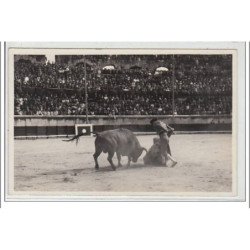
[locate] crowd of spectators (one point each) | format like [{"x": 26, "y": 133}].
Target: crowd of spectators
[{"x": 200, "y": 85}]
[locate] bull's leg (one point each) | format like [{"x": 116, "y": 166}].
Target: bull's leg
[
  {"x": 110, "y": 156},
  {"x": 129, "y": 160},
  {"x": 119, "y": 159},
  {"x": 96, "y": 155}
]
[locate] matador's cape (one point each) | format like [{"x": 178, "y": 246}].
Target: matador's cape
[{"x": 153, "y": 156}]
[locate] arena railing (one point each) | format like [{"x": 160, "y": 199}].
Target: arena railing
[{"x": 34, "y": 126}]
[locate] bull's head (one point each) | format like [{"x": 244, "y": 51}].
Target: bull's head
[{"x": 137, "y": 153}]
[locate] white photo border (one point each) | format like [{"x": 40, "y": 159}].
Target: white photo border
[{"x": 241, "y": 109}]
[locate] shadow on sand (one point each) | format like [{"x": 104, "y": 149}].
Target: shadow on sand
[
  {"x": 129, "y": 168},
  {"x": 104, "y": 169}
]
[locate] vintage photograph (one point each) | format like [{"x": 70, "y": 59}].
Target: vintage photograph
[{"x": 146, "y": 123}]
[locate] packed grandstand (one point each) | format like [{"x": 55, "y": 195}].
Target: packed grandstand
[{"x": 124, "y": 85}]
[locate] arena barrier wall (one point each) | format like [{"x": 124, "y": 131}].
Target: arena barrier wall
[{"x": 56, "y": 126}]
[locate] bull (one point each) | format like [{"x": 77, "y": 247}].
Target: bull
[{"x": 120, "y": 141}]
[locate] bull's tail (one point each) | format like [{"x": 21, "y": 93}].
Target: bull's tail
[{"x": 77, "y": 137}]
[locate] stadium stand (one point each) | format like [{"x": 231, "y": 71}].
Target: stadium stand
[{"x": 131, "y": 85}]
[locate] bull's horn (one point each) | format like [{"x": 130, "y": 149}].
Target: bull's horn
[{"x": 144, "y": 149}]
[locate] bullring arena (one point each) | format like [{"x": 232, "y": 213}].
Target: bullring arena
[
  {"x": 204, "y": 165},
  {"x": 51, "y": 164},
  {"x": 58, "y": 99}
]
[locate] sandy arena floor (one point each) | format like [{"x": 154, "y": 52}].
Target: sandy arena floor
[{"x": 204, "y": 165}]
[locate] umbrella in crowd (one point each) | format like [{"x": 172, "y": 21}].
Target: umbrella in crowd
[
  {"x": 109, "y": 67},
  {"x": 160, "y": 70}
]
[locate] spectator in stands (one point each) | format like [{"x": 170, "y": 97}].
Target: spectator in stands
[{"x": 202, "y": 85}]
